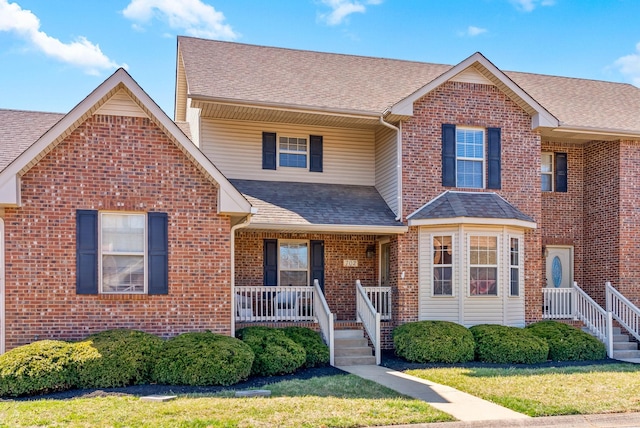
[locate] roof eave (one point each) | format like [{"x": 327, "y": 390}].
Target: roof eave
[
  {"x": 524, "y": 224},
  {"x": 331, "y": 228}
]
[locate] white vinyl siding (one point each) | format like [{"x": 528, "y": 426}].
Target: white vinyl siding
[
  {"x": 236, "y": 149},
  {"x": 386, "y": 167},
  {"x": 193, "y": 118},
  {"x": 462, "y": 307},
  {"x": 121, "y": 104}
]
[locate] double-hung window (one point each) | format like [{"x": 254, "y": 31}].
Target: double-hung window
[
  {"x": 293, "y": 152},
  {"x": 514, "y": 267},
  {"x": 443, "y": 265},
  {"x": 123, "y": 256},
  {"x": 483, "y": 265},
  {"x": 294, "y": 263},
  {"x": 470, "y": 158},
  {"x": 546, "y": 168},
  {"x": 553, "y": 172}
]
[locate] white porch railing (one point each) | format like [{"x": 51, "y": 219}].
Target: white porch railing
[
  {"x": 623, "y": 311},
  {"x": 381, "y": 299},
  {"x": 369, "y": 317},
  {"x": 557, "y": 303},
  {"x": 273, "y": 304},
  {"x": 325, "y": 318}
]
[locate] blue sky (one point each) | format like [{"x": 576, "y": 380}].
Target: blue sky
[{"x": 54, "y": 53}]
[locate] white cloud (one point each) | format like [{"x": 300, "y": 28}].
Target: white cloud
[
  {"x": 529, "y": 5},
  {"x": 475, "y": 31},
  {"x": 194, "y": 17},
  {"x": 341, "y": 9},
  {"x": 629, "y": 65},
  {"x": 80, "y": 53}
]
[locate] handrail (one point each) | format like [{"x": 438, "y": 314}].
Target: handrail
[
  {"x": 369, "y": 317},
  {"x": 596, "y": 319},
  {"x": 325, "y": 318},
  {"x": 381, "y": 299},
  {"x": 623, "y": 311}
]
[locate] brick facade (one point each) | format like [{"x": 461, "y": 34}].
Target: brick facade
[
  {"x": 474, "y": 105},
  {"x": 117, "y": 164}
]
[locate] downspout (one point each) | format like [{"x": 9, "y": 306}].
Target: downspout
[
  {"x": 244, "y": 223},
  {"x": 398, "y": 162}
]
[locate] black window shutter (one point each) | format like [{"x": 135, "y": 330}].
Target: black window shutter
[
  {"x": 561, "y": 172},
  {"x": 86, "y": 252},
  {"x": 317, "y": 262},
  {"x": 158, "y": 253},
  {"x": 493, "y": 158},
  {"x": 268, "y": 150},
  {"x": 270, "y": 262},
  {"x": 315, "y": 153},
  {"x": 448, "y": 155}
]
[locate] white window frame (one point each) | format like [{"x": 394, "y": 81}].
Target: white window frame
[
  {"x": 519, "y": 265},
  {"x": 451, "y": 265},
  {"x": 102, "y": 252},
  {"x": 550, "y": 173},
  {"x": 293, "y": 152},
  {"x": 294, "y": 241},
  {"x": 482, "y": 160},
  {"x": 498, "y": 265}
]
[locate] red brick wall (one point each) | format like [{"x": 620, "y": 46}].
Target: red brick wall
[
  {"x": 114, "y": 163},
  {"x": 602, "y": 204},
  {"x": 467, "y": 104},
  {"x": 562, "y": 220},
  {"x": 339, "y": 287}
]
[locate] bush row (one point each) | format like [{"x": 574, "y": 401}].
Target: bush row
[
  {"x": 447, "y": 342},
  {"x": 116, "y": 358}
]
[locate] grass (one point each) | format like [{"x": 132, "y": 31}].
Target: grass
[
  {"x": 335, "y": 401},
  {"x": 611, "y": 388}
]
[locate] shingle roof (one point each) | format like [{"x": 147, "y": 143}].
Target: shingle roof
[
  {"x": 305, "y": 79},
  {"x": 469, "y": 204},
  {"x": 19, "y": 129},
  {"x": 315, "y": 204}
]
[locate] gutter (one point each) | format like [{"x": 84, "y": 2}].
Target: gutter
[
  {"x": 245, "y": 223},
  {"x": 398, "y": 162}
]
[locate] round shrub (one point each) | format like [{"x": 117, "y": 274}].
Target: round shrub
[
  {"x": 275, "y": 353},
  {"x": 567, "y": 343},
  {"x": 433, "y": 342},
  {"x": 508, "y": 345},
  {"x": 203, "y": 359},
  {"x": 43, "y": 366},
  {"x": 317, "y": 351},
  {"x": 126, "y": 357}
]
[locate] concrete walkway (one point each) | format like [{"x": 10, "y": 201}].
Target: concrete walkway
[{"x": 460, "y": 405}]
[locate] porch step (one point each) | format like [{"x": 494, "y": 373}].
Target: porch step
[
  {"x": 623, "y": 348},
  {"x": 352, "y": 348}
]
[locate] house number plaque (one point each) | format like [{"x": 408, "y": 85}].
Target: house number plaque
[{"x": 350, "y": 263}]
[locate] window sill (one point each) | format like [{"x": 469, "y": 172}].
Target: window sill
[{"x": 123, "y": 296}]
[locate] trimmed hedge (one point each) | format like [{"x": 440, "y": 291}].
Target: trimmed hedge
[
  {"x": 126, "y": 357},
  {"x": 434, "y": 342},
  {"x": 567, "y": 343},
  {"x": 508, "y": 345},
  {"x": 317, "y": 351},
  {"x": 43, "y": 366},
  {"x": 275, "y": 353},
  {"x": 202, "y": 359}
]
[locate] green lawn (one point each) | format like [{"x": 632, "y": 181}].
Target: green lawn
[
  {"x": 336, "y": 401},
  {"x": 610, "y": 388}
]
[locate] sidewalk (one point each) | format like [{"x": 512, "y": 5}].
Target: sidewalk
[{"x": 460, "y": 405}]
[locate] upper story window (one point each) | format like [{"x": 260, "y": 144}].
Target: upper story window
[
  {"x": 293, "y": 152},
  {"x": 553, "y": 172},
  {"x": 123, "y": 253},
  {"x": 470, "y": 158}
]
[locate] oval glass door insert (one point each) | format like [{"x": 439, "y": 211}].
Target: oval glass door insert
[{"x": 556, "y": 271}]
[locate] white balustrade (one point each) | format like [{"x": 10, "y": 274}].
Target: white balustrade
[
  {"x": 274, "y": 304},
  {"x": 381, "y": 299},
  {"x": 623, "y": 311},
  {"x": 369, "y": 317},
  {"x": 558, "y": 303}
]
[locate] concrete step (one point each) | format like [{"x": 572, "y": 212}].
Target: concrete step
[
  {"x": 619, "y": 355},
  {"x": 350, "y": 343},
  {"x": 625, "y": 346},
  {"x": 363, "y": 351},
  {"x": 620, "y": 337},
  {"x": 355, "y": 361},
  {"x": 348, "y": 334}
]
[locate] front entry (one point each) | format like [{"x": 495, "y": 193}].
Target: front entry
[{"x": 559, "y": 262}]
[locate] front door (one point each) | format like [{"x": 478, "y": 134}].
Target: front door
[{"x": 559, "y": 261}]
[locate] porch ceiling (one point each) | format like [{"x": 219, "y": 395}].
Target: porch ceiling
[{"x": 318, "y": 207}]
